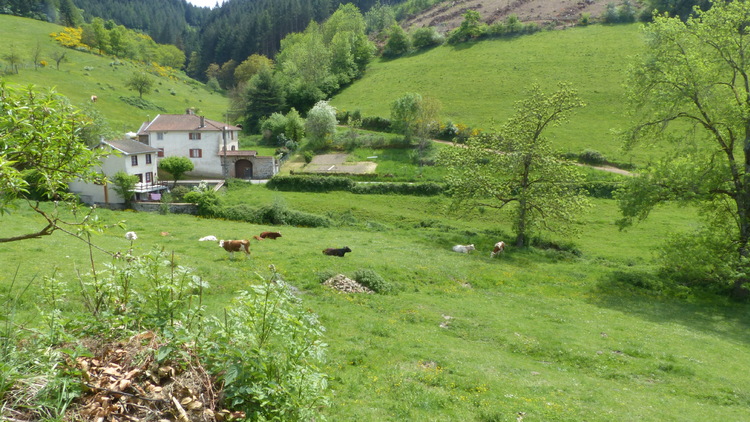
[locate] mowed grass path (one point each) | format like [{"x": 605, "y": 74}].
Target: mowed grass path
[
  {"x": 106, "y": 82},
  {"x": 542, "y": 333},
  {"x": 478, "y": 83}
]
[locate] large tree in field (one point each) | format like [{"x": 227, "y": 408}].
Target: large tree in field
[
  {"x": 691, "y": 92},
  {"x": 41, "y": 151},
  {"x": 140, "y": 82},
  {"x": 516, "y": 169}
]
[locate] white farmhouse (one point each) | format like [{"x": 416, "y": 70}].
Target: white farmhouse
[
  {"x": 131, "y": 157},
  {"x": 212, "y": 146}
]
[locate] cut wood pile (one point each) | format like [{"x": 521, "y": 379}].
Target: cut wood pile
[{"x": 124, "y": 382}]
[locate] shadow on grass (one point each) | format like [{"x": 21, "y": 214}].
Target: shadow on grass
[{"x": 658, "y": 302}]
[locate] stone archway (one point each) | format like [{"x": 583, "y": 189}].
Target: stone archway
[{"x": 243, "y": 169}]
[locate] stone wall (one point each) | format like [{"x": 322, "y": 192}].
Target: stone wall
[
  {"x": 264, "y": 167},
  {"x": 173, "y": 208}
]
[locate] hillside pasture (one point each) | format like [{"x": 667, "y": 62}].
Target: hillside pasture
[
  {"x": 84, "y": 74},
  {"x": 478, "y": 83},
  {"x": 543, "y": 333}
]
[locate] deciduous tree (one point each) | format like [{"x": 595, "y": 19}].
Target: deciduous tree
[
  {"x": 516, "y": 168},
  {"x": 691, "y": 94},
  {"x": 140, "y": 82},
  {"x": 176, "y": 166},
  {"x": 320, "y": 124}
]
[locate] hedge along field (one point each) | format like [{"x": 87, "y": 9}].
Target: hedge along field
[
  {"x": 478, "y": 83},
  {"x": 465, "y": 337},
  {"x": 106, "y": 82}
]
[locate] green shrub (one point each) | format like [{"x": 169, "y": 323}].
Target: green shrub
[
  {"x": 373, "y": 281},
  {"x": 593, "y": 157},
  {"x": 378, "y": 124},
  {"x": 704, "y": 258},
  {"x": 426, "y": 37},
  {"x": 308, "y": 156},
  {"x": 178, "y": 193},
  {"x": 272, "y": 127},
  {"x": 310, "y": 183},
  {"x": 418, "y": 189},
  {"x": 208, "y": 202},
  {"x": 276, "y": 214}
]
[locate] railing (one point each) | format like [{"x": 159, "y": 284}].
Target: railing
[{"x": 149, "y": 186}]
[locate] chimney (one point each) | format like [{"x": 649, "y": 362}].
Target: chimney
[{"x": 203, "y": 121}]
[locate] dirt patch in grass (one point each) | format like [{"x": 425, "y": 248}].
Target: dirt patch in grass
[{"x": 337, "y": 164}]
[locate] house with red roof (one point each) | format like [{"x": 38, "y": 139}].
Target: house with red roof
[{"x": 212, "y": 146}]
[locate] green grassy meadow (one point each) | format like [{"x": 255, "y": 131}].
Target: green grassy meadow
[
  {"x": 478, "y": 83},
  {"x": 546, "y": 333},
  {"x": 106, "y": 82}
]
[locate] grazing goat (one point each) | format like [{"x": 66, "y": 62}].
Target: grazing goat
[
  {"x": 233, "y": 246},
  {"x": 498, "y": 249},
  {"x": 208, "y": 239},
  {"x": 94, "y": 98},
  {"x": 337, "y": 252},
  {"x": 463, "y": 248}
]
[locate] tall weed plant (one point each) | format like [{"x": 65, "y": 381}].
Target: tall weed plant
[{"x": 268, "y": 350}]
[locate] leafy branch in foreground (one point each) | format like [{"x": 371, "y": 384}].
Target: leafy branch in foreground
[{"x": 42, "y": 149}]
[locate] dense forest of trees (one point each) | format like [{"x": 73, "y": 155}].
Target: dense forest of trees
[{"x": 234, "y": 31}]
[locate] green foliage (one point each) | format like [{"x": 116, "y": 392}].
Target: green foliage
[
  {"x": 273, "y": 126},
  {"x": 688, "y": 92},
  {"x": 295, "y": 126},
  {"x": 373, "y": 281},
  {"x": 124, "y": 185},
  {"x": 593, "y": 157},
  {"x": 179, "y": 192},
  {"x": 320, "y": 125},
  {"x": 140, "y": 82},
  {"x": 705, "y": 258},
  {"x": 398, "y": 42},
  {"x": 41, "y": 150},
  {"x": 176, "y": 166},
  {"x": 625, "y": 13},
  {"x": 265, "y": 96},
  {"x": 419, "y": 189},
  {"x": 310, "y": 183},
  {"x": 680, "y": 8},
  {"x": 277, "y": 213},
  {"x": 426, "y": 37},
  {"x": 207, "y": 201},
  {"x": 268, "y": 349},
  {"x": 379, "y": 17},
  {"x": 251, "y": 67},
  {"x": 470, "y": 28},
  {"x": 516, "y": 166}
]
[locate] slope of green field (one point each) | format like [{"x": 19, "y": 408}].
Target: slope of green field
[
  {"x": 467, "y": 338},
  {"x": 84, "y": 74},
  {"x": 478, "y": 83}
]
